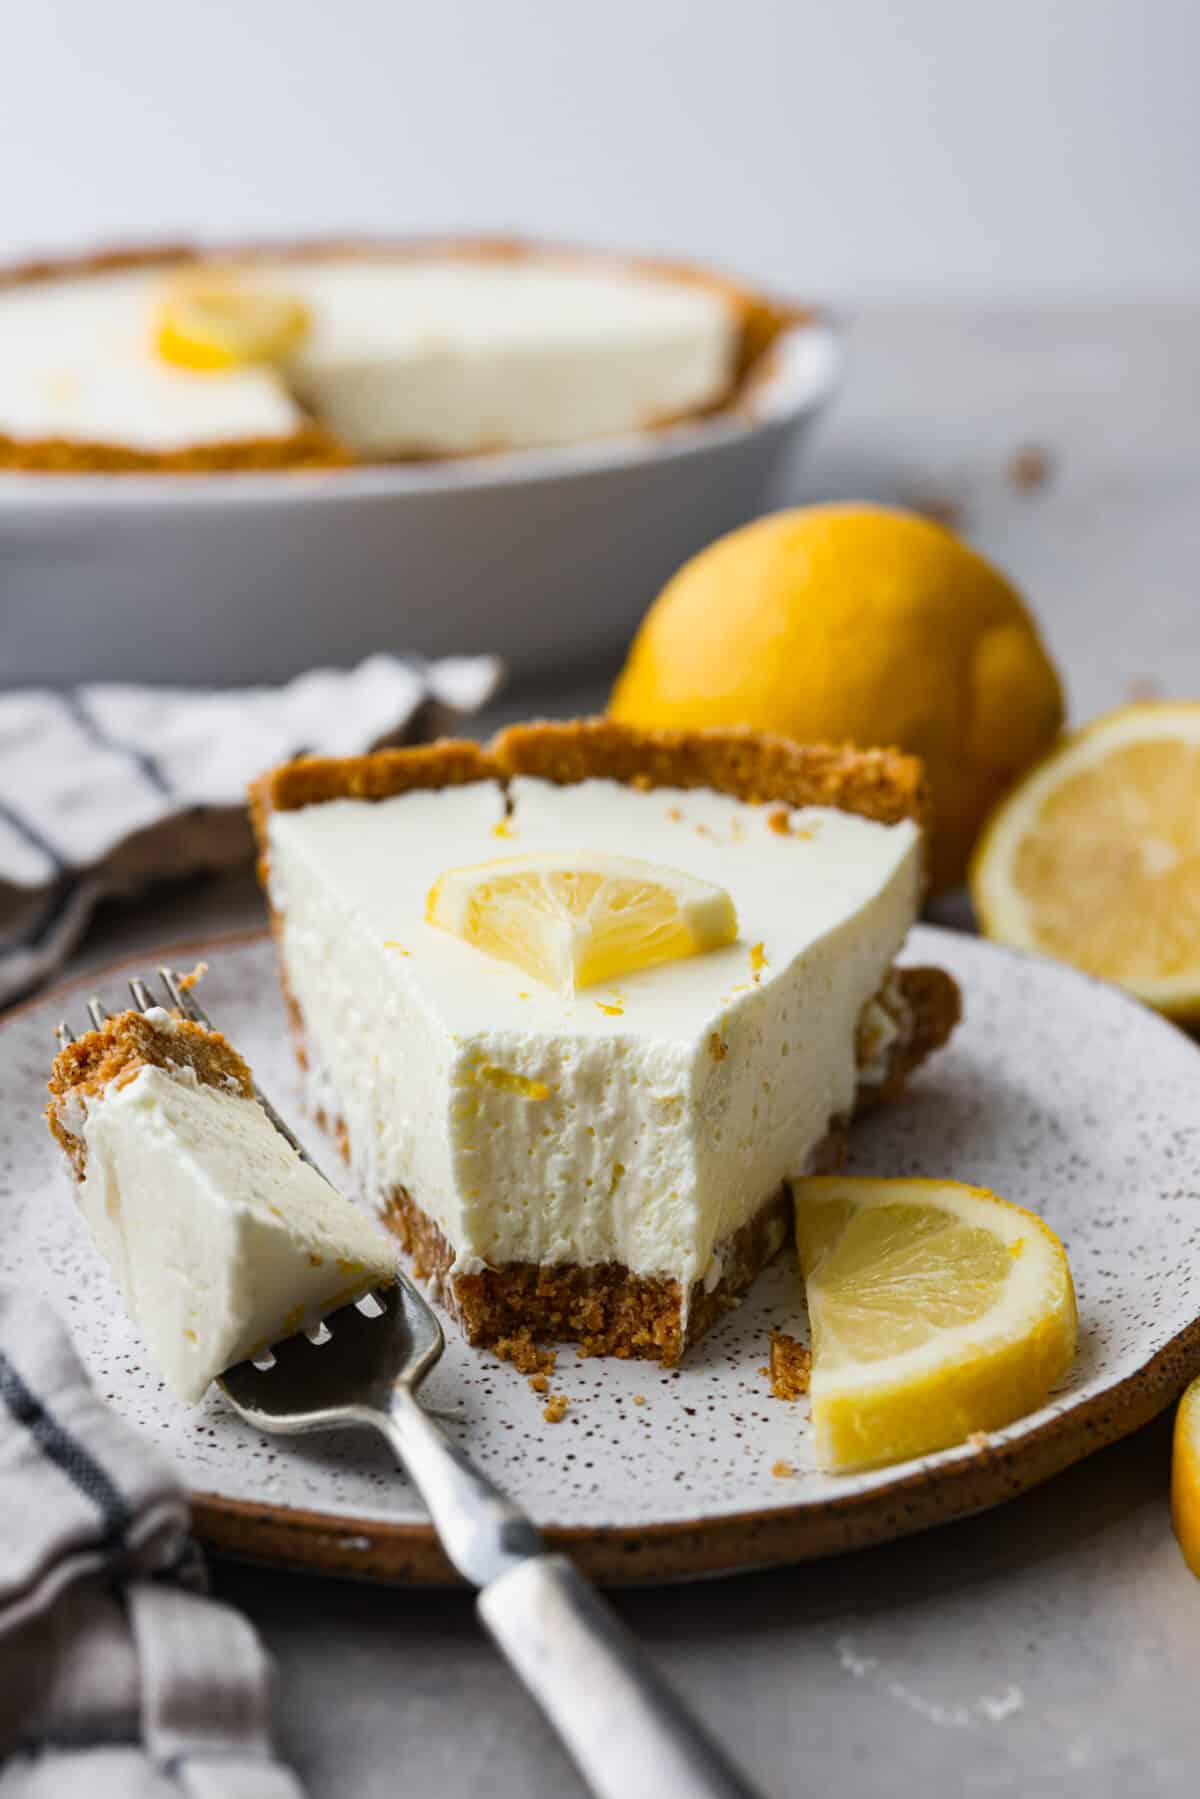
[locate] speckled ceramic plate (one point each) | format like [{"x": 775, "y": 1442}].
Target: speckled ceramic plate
[{"x": 1057, "y": 1092}]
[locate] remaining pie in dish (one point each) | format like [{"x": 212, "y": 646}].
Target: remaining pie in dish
[
  {"x": 334, "y": 353},
  {"x": 598, "y": 1161},
  {"x": 221, "y": 1239}
]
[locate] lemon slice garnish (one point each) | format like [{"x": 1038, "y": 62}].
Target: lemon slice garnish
[
  {"x": 212, "y": 320},
  {"x": 937, "y": 1310},
  {"x": 572, "y": 920},
  {"x": 1185, "y": 1477},
  {"x": 1095, "y": 858}
]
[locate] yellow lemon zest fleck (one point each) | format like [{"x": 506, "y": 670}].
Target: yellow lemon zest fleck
[{"x": 506, "y": 1080}]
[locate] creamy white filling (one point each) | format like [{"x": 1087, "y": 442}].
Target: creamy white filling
[
  {"x": 404, "y": 355},
  {"x": 641, "y": 1124},
  {"x": 450, "y": 356},
  {"x": 77, "y": 362},
  {"x": 220, "y": 1238}
]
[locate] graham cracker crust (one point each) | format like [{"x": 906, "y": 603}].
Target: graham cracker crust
[
  {"x": 310, "y": 447},
  {"x": 760, "y": 319},
  {"x": 885, "y": 785},
  {"x": 119, "y": 1050},
  {"x": 605, "y": 1309}
]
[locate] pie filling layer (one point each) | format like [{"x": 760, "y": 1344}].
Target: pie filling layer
[
  {"x": 517, "y": 1137},
  {"x": 403, "y": 356}
]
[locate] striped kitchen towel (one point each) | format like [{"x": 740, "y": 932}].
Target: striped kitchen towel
[
  {"x": 106, "y": 789},
  {"x": 118, "y": 1675}
]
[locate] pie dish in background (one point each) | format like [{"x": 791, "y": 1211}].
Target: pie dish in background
[
  {"x": 246, "y": 539},
  {"x": 322, "y": 354}
]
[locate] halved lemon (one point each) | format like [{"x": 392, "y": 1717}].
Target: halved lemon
[
  {"x": 1095, "y": 856},
  {"x": 572, "y": 920},
  {"x": 1185, "y": 1477},
  {"x": 937, "y": 1310},
  {"x": 212, "y": 320}
]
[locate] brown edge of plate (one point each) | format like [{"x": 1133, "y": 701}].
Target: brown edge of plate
[{"x": 410, "y": 1554}]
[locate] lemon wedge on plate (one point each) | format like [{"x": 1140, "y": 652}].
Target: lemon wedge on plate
[
  {"x": 937, "y": 1310},
  {"x": 572, "y": 920},
  {"x": 211, "y": 321},
  {"x": 1185, "y": 1477},
  {"x": 1095, "y": 857}
]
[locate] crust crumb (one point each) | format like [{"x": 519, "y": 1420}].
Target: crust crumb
[
  {"x": 1030, "y": 467},
  {"x": 782, "y": 1470},
  {"x": 978, "y": 1439},
  {"x": 556, "y": 1410},
  {"x": 116, "y": 1054},
  {"x": 639, "y": 1399},
  {"x": 718, "y": 1049},
  {"x": 791, "y": 1367},
  {"x": 540, "y": 1383},
  {"x": 526, "y": 1356},
  {"x": 188, "y": 981}
]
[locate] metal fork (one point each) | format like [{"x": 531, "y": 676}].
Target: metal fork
[{"x": 629, "y": 1735}]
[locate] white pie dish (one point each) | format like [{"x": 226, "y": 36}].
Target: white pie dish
[{"x": 547, "y": 557}]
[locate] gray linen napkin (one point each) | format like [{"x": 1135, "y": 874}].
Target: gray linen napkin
[
  {"x": 118, "y": 1677},
  {"x": 104, "y": 789}
]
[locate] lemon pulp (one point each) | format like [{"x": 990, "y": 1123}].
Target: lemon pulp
[
  {"x": 937, "y": 1310},
  {"x": 1095, "y": 858},
  {"x": 573, "y": 921}
]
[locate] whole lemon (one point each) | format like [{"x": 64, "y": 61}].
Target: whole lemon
[{"x": 859, "y": 624}]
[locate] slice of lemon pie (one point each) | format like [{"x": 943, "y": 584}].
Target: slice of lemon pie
[
  {"x": 578, "y": 1002},
  {"x": 220, "y": 1237}
]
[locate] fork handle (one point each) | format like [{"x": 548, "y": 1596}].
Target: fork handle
[
  {"x": 625, "y": 1729},
  {"x": 615, "y": 1714}
]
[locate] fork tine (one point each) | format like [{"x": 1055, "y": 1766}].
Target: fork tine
[
  {"x": 64, "y": 1033},
  {"x": 183, "y": 999},
  {"x": 96, "y": 1011},
  {"x": 143, "y": 999}
]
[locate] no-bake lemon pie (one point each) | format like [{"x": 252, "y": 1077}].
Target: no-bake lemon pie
[
  {"x": 578, "y": 1002},
  {"x": 325, "y": 354}
]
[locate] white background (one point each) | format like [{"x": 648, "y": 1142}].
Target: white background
[{"x": 865, "y": 148}]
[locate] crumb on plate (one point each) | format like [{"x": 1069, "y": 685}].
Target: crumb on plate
[
  {"x": 791, "y": 1366},
  {"x": 526, "y": 1356}
]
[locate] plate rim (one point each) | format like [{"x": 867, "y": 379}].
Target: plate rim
[{"x": 310, "y": 1541}]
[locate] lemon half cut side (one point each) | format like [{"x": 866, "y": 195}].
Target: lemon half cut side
[{"x": 1095, "y": 857}]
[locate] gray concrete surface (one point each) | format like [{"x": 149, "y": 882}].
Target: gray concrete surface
[{"x": 1049, "y": 1647}]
